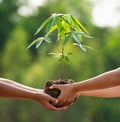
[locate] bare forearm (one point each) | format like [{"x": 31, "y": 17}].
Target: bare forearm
[
  {"x": 107, "y": 93},
  {"x": 18, "y": 84},
  {"x": 11, "y": 89},
  {"x": 105, "y": 80}
]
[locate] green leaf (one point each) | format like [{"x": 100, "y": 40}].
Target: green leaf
[
  {"x": 57, "y": 55},
  {"x": 76, "y": 44},
  {"x": 42, "y": 25},
  {"x": 50, "y": 24},
  {"x": 61, "y": 30},
  {"x": 66, "y": 23},
  {"x": 76, "y": 38},
  {"x": 82, "y": 47},
  {"x": 52, "y": 53},
  {"x": 39, "y": 42},
  {"x": 47, "y": 39},
  {"x": 66, "y": 19},
  {"x": 52, "y": 29},
  {"x": 33, "y": 42},
  {"x": 66, "y": 26},
  {"x": 84, "y": 34},
  {"x": 67, "y": 55},
  {"x": 67, "y": 38},
  {"x": 55, "y": 15},
  {"x": 61, "y": 58},
  {"x": 89, "y": 47},
  {"x": 67, "y": 58},
  {"x": 75, "y": 20}
]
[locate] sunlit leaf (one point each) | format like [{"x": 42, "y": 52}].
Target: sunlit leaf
[
  {"x": 42, "y": 25},
  {"x": 89, "y": 47},
  {"x": 52, "y": 53},
  {"x": 84, "y": 34},
  {"x": 66, "y": 27},
  {"x": 39, "y": 42},
  {"x": 52, "y": 29},
  {"x": 78, "y": 22},
  {"x": 74, "y": 25},
  {"x": 77, "y": 38},
  {"x": 47, "y": 39},
  {"x": 33, "y": 42},
  {"x": 76, "y": 44},
  {"x": 67, "y": 17},
  {"x": 55, "y": 15},
  {"x": 67, "y": 21},
  {"x": 57, "y": 55},
  {"x": 59, "y": 26},
  {"x": 82, "y": 47},
  {"x": 50, "y": 24}
]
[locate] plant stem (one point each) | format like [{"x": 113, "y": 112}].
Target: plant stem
[
  {"x": 61, "y": 73},
  {"x": 62, "y": 63}
]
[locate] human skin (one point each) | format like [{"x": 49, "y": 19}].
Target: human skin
[
  {"x": 104, "y": 93},
  {"x": 99, "y": 86},
  {"x": 12, "y": 90}
]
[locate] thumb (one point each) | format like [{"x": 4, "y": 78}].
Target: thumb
[
  {"x": 55, "y": 86},
  {"x": 53, "y": 100}
]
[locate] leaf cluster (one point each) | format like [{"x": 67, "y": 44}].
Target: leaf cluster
[{"x": 67, "y": 27}]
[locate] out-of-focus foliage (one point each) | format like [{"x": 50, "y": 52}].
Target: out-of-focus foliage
[
  {"x": 34, "y": 67},
  {"x": 7, "y": 14}
]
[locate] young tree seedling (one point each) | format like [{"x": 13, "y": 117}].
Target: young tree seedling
[{"x": 67, "y": 27}]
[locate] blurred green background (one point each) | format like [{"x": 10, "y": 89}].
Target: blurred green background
[{"x": 33, "y": 67}]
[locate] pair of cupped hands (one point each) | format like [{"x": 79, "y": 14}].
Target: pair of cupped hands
[{"x": 66, "y": 98}]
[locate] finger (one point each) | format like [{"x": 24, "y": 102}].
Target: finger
[
  {"x": 53, "y": 100},
  {"x": 75, "y": 98},
  {"x": 53, "y": 108},
  {"x": 68, "y": 102},
  {"x": 62, "y": 108},
  {"x": 55, "y": 86},
  {"x": 62, "y": 103}
]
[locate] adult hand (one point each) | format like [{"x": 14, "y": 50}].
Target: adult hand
[
  {"x": 68, "y": 94},
  {"x": 48, "y": 101}
]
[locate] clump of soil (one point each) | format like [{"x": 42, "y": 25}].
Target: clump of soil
[{"x": 55, "y": 92}]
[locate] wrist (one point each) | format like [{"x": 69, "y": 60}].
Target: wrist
[
  {"x": 37, "y": 94},
  {"x": 75, "y": 88},
  {"x": 33, "y": 95},
  {"x": 78, "y": 88}
]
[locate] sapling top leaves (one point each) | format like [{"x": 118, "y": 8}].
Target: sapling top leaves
[{"x": 67, "y": 27}]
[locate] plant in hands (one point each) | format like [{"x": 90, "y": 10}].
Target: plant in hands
[{"x": 67, "y": 27}]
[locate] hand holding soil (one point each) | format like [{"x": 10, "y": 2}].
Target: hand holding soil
[{"x": 55, "y": 92}]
